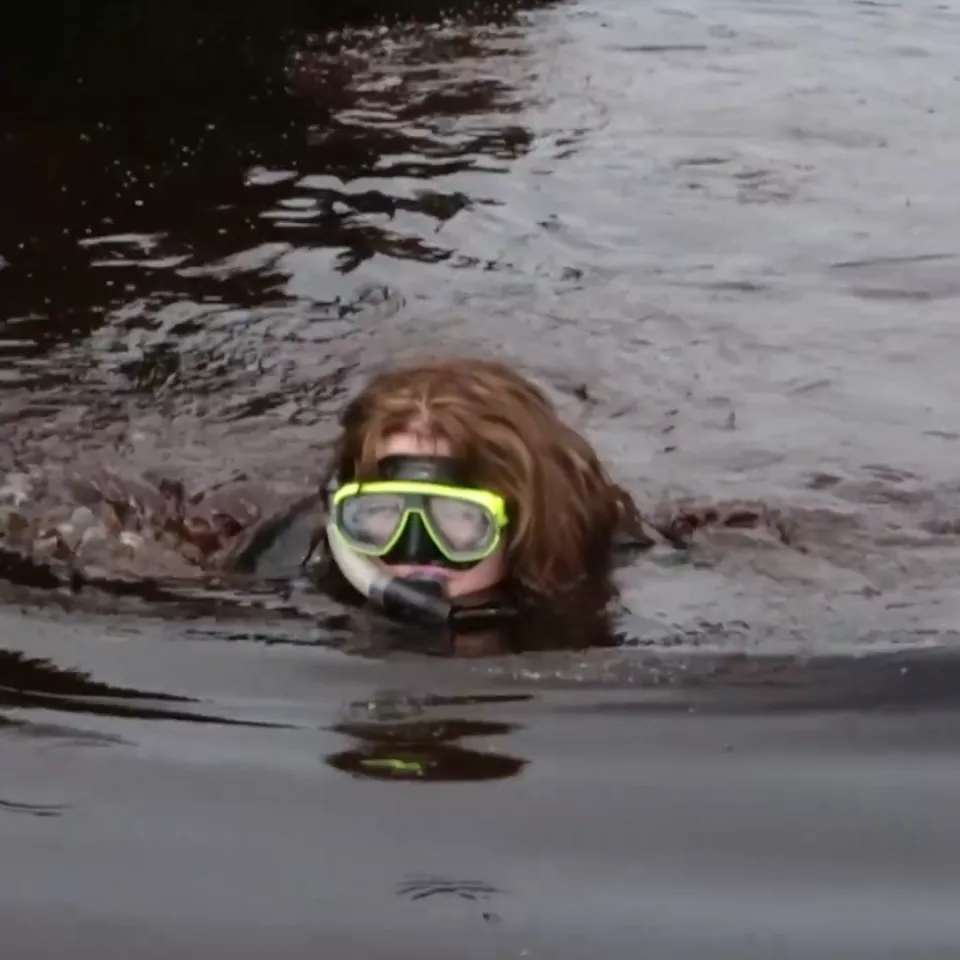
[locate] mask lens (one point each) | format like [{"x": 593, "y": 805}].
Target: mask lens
[
  {"x": 465, "y": 527},
  {"x": 371, "y": 519}
]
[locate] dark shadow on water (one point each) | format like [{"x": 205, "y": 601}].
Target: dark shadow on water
[
  {"x": 21, "y": 674},
  {"x": 33, "y": 682},
  {"x": 32, "y": 809},
  {"x": 132, "y": 54},
  {"x": 151, "y": 176},
  {"x": 114, "y": 709}
]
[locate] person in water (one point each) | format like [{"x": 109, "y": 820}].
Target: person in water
[
  {"x": 456, "y": 478},
  {"x": 457, "y": 491}
]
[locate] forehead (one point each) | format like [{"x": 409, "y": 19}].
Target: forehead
[{"x": 412, "y": 444}]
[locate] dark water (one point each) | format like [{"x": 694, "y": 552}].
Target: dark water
[{"x": 723, "y": 236}]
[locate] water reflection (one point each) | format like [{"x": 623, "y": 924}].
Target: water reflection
[
  {"x": 422, "y": 762},
  {"x": 422, "y": 749}
]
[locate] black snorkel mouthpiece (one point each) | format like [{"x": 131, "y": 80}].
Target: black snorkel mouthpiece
[{"x": 420, "y": 598}]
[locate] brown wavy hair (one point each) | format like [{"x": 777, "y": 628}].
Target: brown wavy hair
[{"x": 564, "y": 507}]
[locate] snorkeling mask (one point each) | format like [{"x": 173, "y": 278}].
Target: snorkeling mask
[
  {"x": 416, "y": 512},
  {"x": 415, "y": 515}
]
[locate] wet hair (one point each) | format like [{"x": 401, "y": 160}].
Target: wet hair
[{"x": 509, "y": 437}]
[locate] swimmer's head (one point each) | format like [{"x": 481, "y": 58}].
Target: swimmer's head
[{"x": 502, "y": 435}]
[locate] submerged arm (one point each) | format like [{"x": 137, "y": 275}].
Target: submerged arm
[{"x": 279, "y": 545}]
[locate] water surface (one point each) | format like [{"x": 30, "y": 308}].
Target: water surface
[{"x": 722, "y": 235}]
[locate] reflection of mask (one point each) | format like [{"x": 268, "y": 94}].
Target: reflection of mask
[
  {"x": 416, "y": 512},
  {"x": 425, "y": 750}
]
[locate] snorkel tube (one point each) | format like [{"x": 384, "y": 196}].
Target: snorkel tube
[{"x": 420, "y": 599}]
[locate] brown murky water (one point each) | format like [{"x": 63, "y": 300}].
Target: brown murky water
[{"x": 723, "y": 235}]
